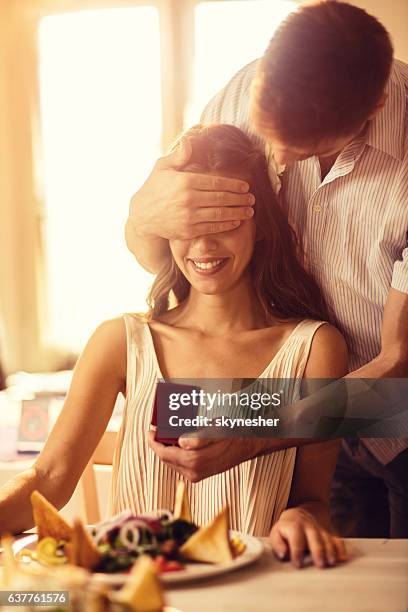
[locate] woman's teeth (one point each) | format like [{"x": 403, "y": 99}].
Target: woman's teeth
[{"x": 207, "y": 265}]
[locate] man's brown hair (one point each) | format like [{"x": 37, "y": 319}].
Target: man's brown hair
[{"x": 322, "y": 74}]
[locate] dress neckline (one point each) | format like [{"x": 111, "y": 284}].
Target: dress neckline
[{"x": 261, "y": 375}]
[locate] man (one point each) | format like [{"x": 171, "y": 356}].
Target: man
[{"x": 329, "y": 102}]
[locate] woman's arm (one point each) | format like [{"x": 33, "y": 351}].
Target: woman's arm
[
  {"x": 306, "y": 522},
  {"x": 99, "y": 376},
  {"x": 328, "y": 358}
]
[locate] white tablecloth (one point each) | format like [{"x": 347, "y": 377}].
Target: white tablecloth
[{"x": 374, "y": 580}]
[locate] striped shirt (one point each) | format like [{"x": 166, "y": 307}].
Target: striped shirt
[{"x": 354, "y": 223}]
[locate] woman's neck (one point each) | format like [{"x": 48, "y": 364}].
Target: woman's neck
[{"x": 218, "y": 315}]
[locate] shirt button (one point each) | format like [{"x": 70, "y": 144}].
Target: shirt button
[{"x": 317, "y": 208}]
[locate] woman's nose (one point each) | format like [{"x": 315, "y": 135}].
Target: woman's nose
[{"x": 204, "y": 244}]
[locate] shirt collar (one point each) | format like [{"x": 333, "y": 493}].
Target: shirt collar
[{"x": 386, "y": 130}]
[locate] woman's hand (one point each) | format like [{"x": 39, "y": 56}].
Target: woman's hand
[{"x": 297, "y": 533}]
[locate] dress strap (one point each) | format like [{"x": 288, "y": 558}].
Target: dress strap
[
  {"x": 137, "y": 343},
  {"x": 305, "y": 334}
]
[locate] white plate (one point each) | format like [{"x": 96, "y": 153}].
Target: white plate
[{"x": 192, "y": 572}]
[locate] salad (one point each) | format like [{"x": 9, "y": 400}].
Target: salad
[
  {"x": 124, "y": 538},
  {"x": 169, "y": 539}
]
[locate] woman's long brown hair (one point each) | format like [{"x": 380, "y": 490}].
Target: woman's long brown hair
[{"x": 281, "y": 284}]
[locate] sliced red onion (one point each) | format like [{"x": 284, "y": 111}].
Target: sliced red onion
[
  {"x": 126, "y": 521},
  {"x": 131, "y": 527},
  {"x": 102, "y": 529}
]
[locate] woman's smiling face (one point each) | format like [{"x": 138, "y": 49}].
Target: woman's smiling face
[{"x": 214, "y": 263}]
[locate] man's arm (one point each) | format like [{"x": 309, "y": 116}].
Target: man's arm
[
  {"x": 150, "y": 251},
  {"x": 196, "y": 458},
  {"x": 348, "y": 403},
  {"x": 392, "y": 361}
]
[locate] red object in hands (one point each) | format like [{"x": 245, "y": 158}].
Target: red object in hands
[
  {"x": 190, "y": 410},
  {"x": 165, "y": 441}
]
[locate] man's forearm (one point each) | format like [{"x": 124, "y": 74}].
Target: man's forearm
[
  {"x": 385, "y": 365},
  {"x": 150, "y": 251}
]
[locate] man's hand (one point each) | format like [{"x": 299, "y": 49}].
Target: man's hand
[
  {"x": 199, "y": 458},
  {"x": 173, "y": 204}
]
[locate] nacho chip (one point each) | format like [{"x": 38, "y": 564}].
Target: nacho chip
[
  {"x": 15, "y": 573},
  {"x": 48, "y": 520},
  {"x": 8, "y": 560},
  {"x": 210, "y": 544},
  {"x": 181, "y": 505},
  {"x": 81, "y": 550},
  {"x": 143, "y": 591},
  {"x": 237, "y": 546}
]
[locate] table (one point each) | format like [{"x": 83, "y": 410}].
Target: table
[{"x": 374, "y": 580}]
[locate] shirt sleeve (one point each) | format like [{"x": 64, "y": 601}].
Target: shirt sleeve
[
  {"x": 231, "y": 104},
  {"x": 400, "y": 273}
]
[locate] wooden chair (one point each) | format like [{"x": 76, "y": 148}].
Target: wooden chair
[{"x": 103, "y": 455}]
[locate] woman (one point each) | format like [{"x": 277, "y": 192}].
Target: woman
[{"x": 244, "y": 306}]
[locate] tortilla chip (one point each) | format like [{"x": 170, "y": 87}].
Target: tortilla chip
[
  {"x": 81, "y": 550},
  {"x": 8, "y": 560},
  {"x": 48, "y": 520},
  {"x": 210, "y": 544},
  {"x": 14, "y": 573},
  {"x": 181, "y": 505},
  {"x": 143, "y": 591}
]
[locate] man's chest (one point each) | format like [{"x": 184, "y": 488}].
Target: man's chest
[{"x": 352, "y": 224}]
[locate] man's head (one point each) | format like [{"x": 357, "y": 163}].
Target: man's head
[{"x": 322, "y": 77}]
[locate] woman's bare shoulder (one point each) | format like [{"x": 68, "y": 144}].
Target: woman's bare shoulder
[
  {"x": 328, "y": 355},
  {"x": 108, "y": 344},
  {"x": 111, "y": 330}
]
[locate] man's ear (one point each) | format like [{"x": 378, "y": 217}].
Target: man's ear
[{"x": 380, "y": 104}]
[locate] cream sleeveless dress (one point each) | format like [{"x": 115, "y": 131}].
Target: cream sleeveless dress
[{"x": 256, "y": 491}]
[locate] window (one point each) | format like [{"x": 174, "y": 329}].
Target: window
[
  {"x": 229, "y": 35},
  {"x": 95, "y": 91},
  {"x": 101, "y": 132}
]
